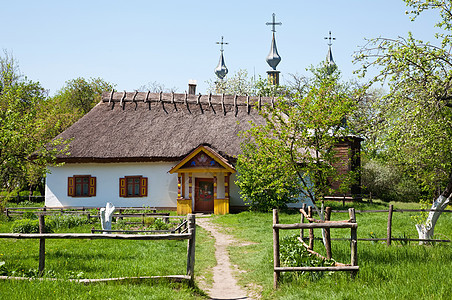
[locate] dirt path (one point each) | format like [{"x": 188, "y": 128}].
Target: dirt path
[{"x": 224, "y": 283}]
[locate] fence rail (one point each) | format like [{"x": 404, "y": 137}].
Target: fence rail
[
  {"x": 326, "y": 225},
  {"x": 190, "y": 236},
  {"x": 390, "y": 211}
]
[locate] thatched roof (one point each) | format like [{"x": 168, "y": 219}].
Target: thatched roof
[{"x": 160, "y": 127}]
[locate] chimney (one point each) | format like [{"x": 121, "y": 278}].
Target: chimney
[{"x": 192, "y": 87}]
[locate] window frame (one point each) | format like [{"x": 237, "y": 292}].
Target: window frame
[
  {"x": 72, "y": 186},
  {"x": 123, "y": 186}
]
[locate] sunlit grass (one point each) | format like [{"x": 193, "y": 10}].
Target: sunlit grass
[
  {"x": 396, "y": 272},
  {"x": 84, "y": 258}
]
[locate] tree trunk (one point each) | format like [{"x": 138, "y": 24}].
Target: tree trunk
[{"x": 426, "y": 229}]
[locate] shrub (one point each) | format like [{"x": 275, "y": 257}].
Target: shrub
[
  {"x": 293, "y": 254},
  {"x": 159, "y": 224},
  {"x": 29, "y": 215},
  {"x": 31, "y": 226},
  {"x": 68, "y": 221},
  {"x": 389, "y": 183}
]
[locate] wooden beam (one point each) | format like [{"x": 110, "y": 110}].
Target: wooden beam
[
  {"x": 315, "y": 225},
  {"x": 94, "y": 236}
]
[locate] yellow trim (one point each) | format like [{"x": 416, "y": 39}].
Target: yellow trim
[
  {"x": 221, "y": 206},
  {"x": 177, "y": 167},
  {"x": 184, "y": 206}
]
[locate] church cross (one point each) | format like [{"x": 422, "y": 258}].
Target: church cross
[
  {"x": 273, "y": 23},
  {"x": 330, "y": 39},
  {"x": 222, "y": 43}
]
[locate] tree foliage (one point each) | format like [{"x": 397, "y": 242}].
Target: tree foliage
[
  {"x": 293, "y": 153},
  {"x": 414, "y": 126},
  {"x": 25, "y": 127},
  {"x": 414, "y": 115},
  {"x": 80, "y": 95}
]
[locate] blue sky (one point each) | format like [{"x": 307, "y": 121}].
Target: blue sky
[{"x": 131, "y": 43}]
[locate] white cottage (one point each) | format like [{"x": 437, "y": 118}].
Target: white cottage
[{"x": 165, "y": 151}]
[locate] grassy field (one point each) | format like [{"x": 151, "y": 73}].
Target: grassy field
[
  {"x": 402, "y": 271},
  {"x": 103, "y": 259}
]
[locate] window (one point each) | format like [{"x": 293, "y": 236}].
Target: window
[
  {"x": 133, "y": 186},
  {"x": 81, "y": 186}
]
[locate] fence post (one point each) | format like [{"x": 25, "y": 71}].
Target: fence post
[
  {"x": 389, "y": 231},
  {"x": 327, "y": 234},
  {"x": 311, "y": 230},
  {"x": 303, "y": 207},
  {"x": 191, "y": 246},
  {"x": 353, "y": 242},
  {"x": 42, "y": 245},
  {"x": 276, "y": 262}
]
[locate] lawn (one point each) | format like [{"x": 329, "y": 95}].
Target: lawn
[
  {"x": 406, "y": 271},
  {"x": 103, "y": 259},
  {"x": 401, "y": 271}
]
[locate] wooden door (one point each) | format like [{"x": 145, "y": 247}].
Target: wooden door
[{"x": 204, "y": 195}]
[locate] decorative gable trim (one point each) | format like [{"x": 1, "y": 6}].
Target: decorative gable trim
[{"x": 221, "y": 164}]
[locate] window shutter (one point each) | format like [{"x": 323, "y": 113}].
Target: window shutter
[
  {"x": 143, "y": 187},
  {"x": 122, "y": 187},
  {"x": 92, "y": 186},
  {"x": 70, "y": 186}
]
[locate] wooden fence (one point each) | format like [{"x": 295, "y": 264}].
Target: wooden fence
[
  {"x": 327, "y": 225},
  {"x": 188, "y": 234},
  {"x": 121, "y": 212},
  {"x": 388, "y": 239}
]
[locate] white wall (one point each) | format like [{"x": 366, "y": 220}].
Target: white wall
[{"x": 162, "y": 186}]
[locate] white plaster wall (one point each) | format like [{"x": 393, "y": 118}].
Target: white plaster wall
[{"x": 162, "y": 186}]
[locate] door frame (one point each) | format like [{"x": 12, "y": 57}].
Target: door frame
[{"x": 197, "y": 180}]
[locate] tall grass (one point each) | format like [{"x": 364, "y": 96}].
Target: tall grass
[{"x": 397, "y": 272}]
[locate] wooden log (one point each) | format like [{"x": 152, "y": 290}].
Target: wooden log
[
  {"x": 311, "y": 230},
  {"x": 353, "y": 243},
  {"x": 327, "y": 234},
  {"x": 133, "y": 231},
  {"x": 311, "y": 251},
  {"x": 318, "y": 269},
  {"x": 42, "y": 246},
  {"x": 95, "y": 236},
  {"x": 303, "y": 208},
  {"x": 191, "y": 246},
  {"x": 172, "y": 278},
  {"x": 389, "y": 228},
  {"x": 276, "y": 262},
  {"x": 316, "y": 225}
]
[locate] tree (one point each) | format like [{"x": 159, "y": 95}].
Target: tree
[
  {"x": 80, "y": 95},
  {"x": 23, "y": 129},
  {"x": 293, "y": 153},
  {"x": 28, "y": 121},
  {"x": 156, "y": 87},
  {"x": 414, "y": 125},
  {"x": 241, "y": 84}
]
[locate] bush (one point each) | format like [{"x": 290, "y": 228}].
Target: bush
[
  {"x": 294, "y": 254},
  {"x": 388, "y": 183},
  {"x": 31, "y": 226},
  {"x": 159, "y": 224},
  {"x": 68, "y": 221}
]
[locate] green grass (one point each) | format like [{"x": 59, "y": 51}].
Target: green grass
[
  {"x": 396, "y": 272},
  {"x": 104, "y": 259}
]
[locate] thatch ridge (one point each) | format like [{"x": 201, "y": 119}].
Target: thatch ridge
[{"x": 146, "y": 126}]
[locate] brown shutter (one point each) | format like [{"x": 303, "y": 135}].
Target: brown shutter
[
  {"x": 92, "y": 186},
  {"x": 143, "y": 187},
  {"x": 122, "y": 187},
  {"x": 70, "y": 186}
]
